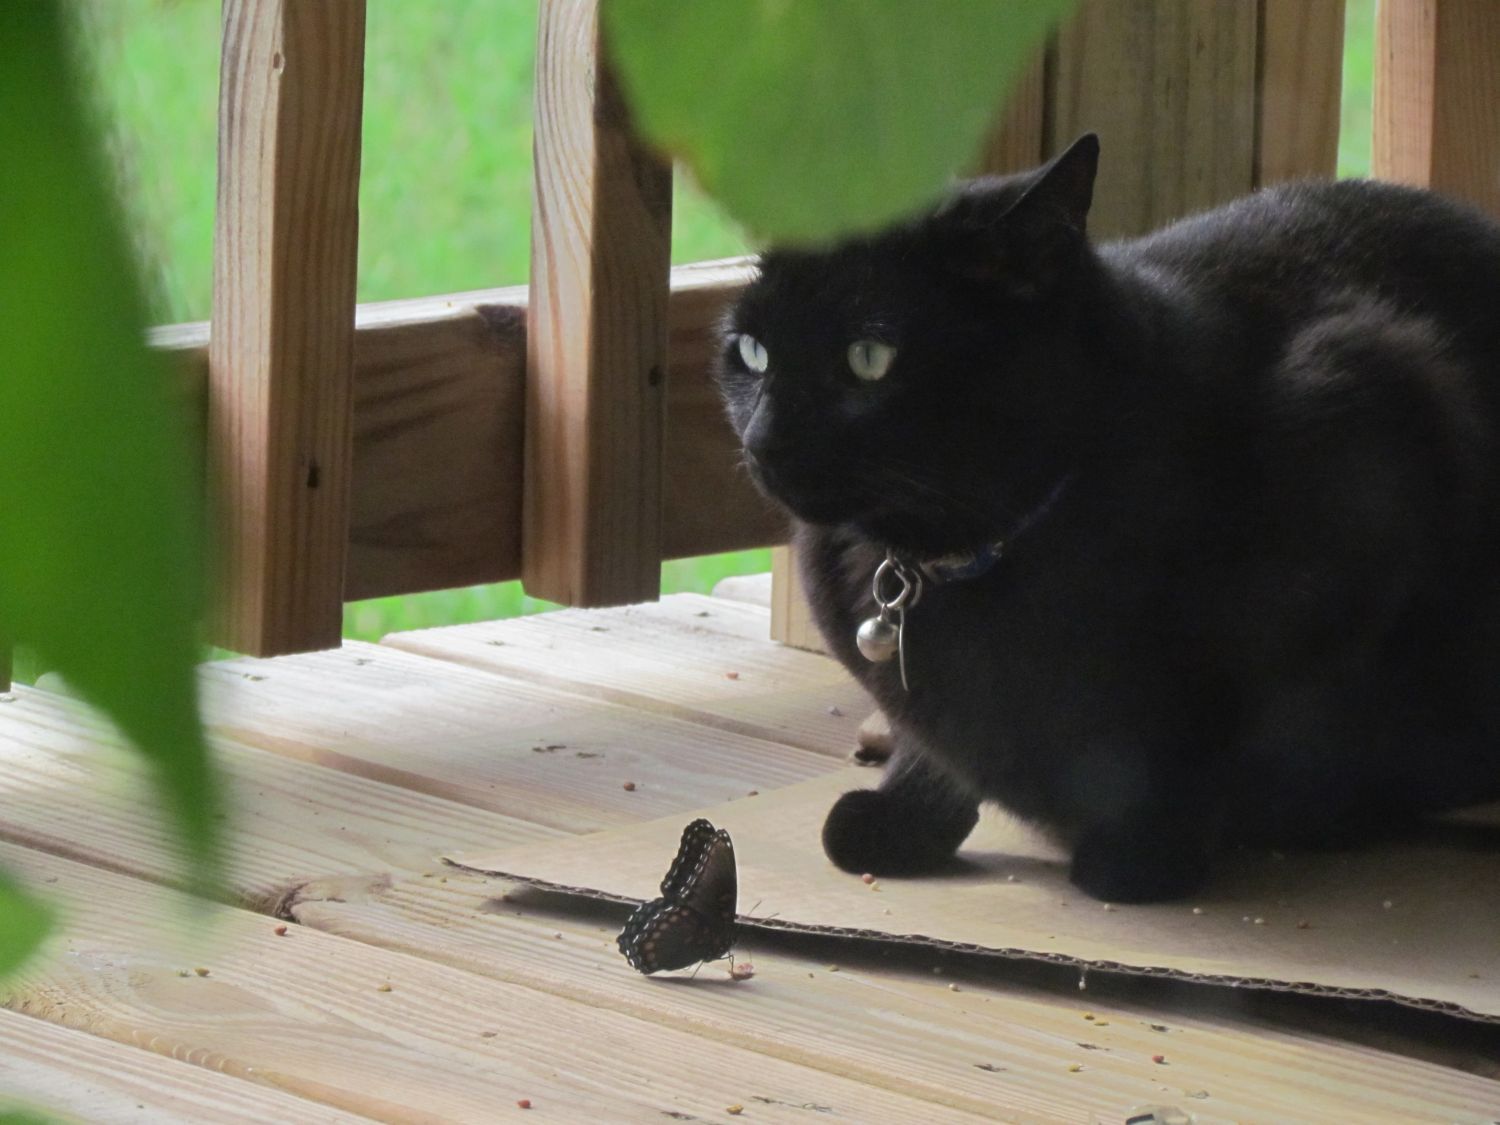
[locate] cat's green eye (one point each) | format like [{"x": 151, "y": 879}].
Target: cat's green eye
[
  {"x": 870, "y": 359},
  {"x": 753, "y": 353}
]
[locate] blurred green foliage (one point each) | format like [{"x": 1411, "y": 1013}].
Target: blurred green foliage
[
  {"x": 100, "y": 553},
  {"x": 809, "y": 121}
]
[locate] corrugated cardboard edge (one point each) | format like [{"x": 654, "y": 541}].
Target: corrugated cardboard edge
[{"x": 923, "y": 941}]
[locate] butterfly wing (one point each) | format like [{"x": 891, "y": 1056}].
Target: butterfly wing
[
  {"x": 661, "y": 936},
  {"x": 694, "y": 919},
  {"x": 697, "y": 838},
  {"x": 713, "y": 888}
]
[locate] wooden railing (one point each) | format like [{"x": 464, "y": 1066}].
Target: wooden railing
[{"x": 571, "y": 437}]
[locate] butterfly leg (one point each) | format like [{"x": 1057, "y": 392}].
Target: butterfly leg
[{"x": 913, "y": 823}]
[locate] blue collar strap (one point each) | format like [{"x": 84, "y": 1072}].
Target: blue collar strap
[{"x": 965, "y": 566}]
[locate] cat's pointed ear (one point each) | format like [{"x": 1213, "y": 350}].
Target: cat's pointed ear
[
  {"x": 1065, "y": 188},
  {"x": 1019, "y": 237}
]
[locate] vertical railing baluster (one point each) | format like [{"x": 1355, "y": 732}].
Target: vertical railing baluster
[
  {"x": 281, "y": 356},
  {"x": 596, "y": 330},
  {"x": 1437, "y": 97}
]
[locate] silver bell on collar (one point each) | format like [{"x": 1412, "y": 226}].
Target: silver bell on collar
[
  {"x": 878, "y": 639},
  {"x": 883, "y": 636}
]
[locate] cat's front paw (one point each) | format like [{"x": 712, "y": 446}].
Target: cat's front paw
[
  {"x": 877, "y": 832},
  {"x": 1122, "y": 866}
]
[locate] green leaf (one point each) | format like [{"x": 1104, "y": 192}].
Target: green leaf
[
  {"x": 24, "y": 922},
  {"x": 811, "y": 118},
  {"x": 25, "y": 1117},
  {"x": 100, "y": 570}
]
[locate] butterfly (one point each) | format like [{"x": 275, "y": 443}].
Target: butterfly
[{"x": 693, "y": 920}]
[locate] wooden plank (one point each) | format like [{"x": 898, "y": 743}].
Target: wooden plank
[
  {"x": 791, "y": 617},
  {"x": 1169, "y": 86},
  {"x": 989, "y": 1045},
  {"x": 60, "y": 1071},
  {"x": 70, "y": 789},
  {"x": 1437, "y": 97},
  {"x": 285, "y": 243},
  {"x": 1016, "y": 141},
  {"x": 386, "y": 1034},
  {"x": 597, "y": 348},
  {"x": 668, "y": 661},
  {"x": 438, "y": 430},
  {"x": 1299, "y": 86},
  {"x": 532, "y": 752}
]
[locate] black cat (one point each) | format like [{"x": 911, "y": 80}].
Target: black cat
[{"x": 1246, "y": 477}]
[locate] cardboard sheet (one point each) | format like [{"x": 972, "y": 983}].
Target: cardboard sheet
[{"x": 1416, "y": 921}]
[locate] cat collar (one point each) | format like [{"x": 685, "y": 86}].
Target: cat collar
[{"x": 898, "y": 584}]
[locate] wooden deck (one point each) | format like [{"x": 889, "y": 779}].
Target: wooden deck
[{"x": 402, "y": 990}]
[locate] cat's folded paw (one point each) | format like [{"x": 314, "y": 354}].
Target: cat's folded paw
[
  {"x": 1118, "y": 866},
  {"x": 876, "y": 832}
]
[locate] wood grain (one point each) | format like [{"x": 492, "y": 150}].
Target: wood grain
[
  {"x": 664, "y": 659},
  {"x": 988, "y": 1045},
  {"x": 596, "y": 362},
  {"x": 281, "y": 358},
  {"x": 69, "y": 788},
  {"x": 1169, "y": 86},
  {"x": 531, "y": 750},
  {"x": 1299, "y": 84},
  {"x": 383, "y": 1034},
  {"x": 1437, "y": 97},
  {"x": 438, "y": 429},
  {"x": 86, "y": 1078}
]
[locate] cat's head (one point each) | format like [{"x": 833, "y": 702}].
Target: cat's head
[{"x": 916, "y": 384}]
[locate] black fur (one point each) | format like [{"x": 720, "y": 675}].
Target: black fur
[{"x": 1264, "y": 606}]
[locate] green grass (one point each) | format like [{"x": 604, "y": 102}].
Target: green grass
[{"x": 445, "y": 189}]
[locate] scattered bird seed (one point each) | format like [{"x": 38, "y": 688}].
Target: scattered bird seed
[
  {"x": 1011, "y": 879},
  {"x": 836, "y": 712},
  {"x": 1387, "y": 904},
  {"x": 1304, "y": 924},
  {"x": 1158, "y": 1027},
  {"x": 183, "y": 973},
  {"x": 741, "y": 970},
  {"x": 731, "y": 675},
  {"x": 734, "y": 1110},
  {"x": 1197, "y": 910},
  {"x": 200, "y": 970},
  {"x": 1074, "y": 1068},
  {"x": 952, "y": 987},
  {"x": 867, "y": 878},
  {"x": 629, "y": 787},
  {"x": 833, "y": 968},
  {"x": 753, "y": 793},
  {"x": 991, "y": 1067},
  {"x": 523, "y": 1103},
  {"x": 1259, "y": 921},
  {"x": 1159, "y": 1060},
  {"x": 1088, "y": 1015},
  {"x": 279, "y": 931},
  {"x": 383, "y": 986},
  {"x": 1109, "y": 906},
  {"x": 488, "y": 1034}
]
